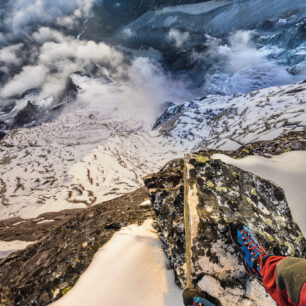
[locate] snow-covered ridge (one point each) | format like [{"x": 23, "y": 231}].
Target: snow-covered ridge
[
  {"x": 227, "y": 122},
  {"x": 81, "y": 159}
]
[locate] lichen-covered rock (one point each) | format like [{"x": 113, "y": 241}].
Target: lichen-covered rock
[
  {"x": 166, "y": 191},
  {"x": 292, "y": 141},
  {"x": 217, "y": 194},
  {"x": 204, "y": 196}
]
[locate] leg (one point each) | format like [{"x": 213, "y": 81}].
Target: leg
[{"x": 284, "y": 278}]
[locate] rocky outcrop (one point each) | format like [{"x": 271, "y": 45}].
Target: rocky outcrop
[
  {"x": 45, "y": 271},
  {"x": 217, "y": 194},
  {"x": 34, "y": 112},
  {"x": 292, "y": 141},
  {"x": 166, "y": 191},
  {"x": 195, "y": 200},
  {"x": 29, "y": 114}
]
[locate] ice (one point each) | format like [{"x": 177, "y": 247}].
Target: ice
[{"x": 194, "y": 8}]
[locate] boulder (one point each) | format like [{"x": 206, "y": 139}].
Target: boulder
[{"x": 204, "y": 196}]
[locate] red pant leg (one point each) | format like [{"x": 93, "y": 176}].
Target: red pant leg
[
  {"x": 269, "y": 281},
  {"x": 303, "y": 296}
]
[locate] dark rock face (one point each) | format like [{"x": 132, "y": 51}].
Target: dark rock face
[
  {"x": 204, "y": 196},
  {"x": 2, "y": 134},
  {"x": 33, "y": 114},
  {"x": 45, "y": 271},
  {"x": 27, "y": 115},
  {"x": 167, "y": 196},
  {"x": 291, "y": 141}
]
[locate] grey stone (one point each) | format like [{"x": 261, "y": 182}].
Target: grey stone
[{"x": 196, "y": 199}]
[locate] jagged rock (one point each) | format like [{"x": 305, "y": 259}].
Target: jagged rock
[
  {"x": 2, "y": 134},
  {"x": 215, "y": 194},
  {"x": 292, "y": 141},
  {"x": 167, "y": 196},
  {"x": 47, "y": 270},
  {"x": 29, "y": 114}
]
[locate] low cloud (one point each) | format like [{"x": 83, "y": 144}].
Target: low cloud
[
  {"x": 134, "y": 88},
  {"x": 30, "y": 77},
  {"x": 45, "y": 34},
  {"x": 139, "y": 97},
  {"x": 178, "y": 37},
  {"x": 241, "y": 67},
  {"x": 23, "y": 15},
  {"x": 119, "y": 83},
  {"x": 8, "y": 55}
]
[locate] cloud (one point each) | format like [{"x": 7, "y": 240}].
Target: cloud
[
  {"x": 30, "y": 77},
  {"x": 132, "y": 87},
  {"x": 178, "y": 37},
  {"x": 8, "y": 55},
  {"x": 71, "y": 55},
  {"x": 24, "y": 14},
  {"x": 139, "y": 97},
  {"x": 241, "y": 52},
  {"x": 241, "y": 67},
  {"x": 45, "y": 34},
  {"x": 57, "y": 58}
]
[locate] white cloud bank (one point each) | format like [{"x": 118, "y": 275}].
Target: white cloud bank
[
  {"x": 178, "y": 37},
  {"x": 8, "y": 54},
  {"x": 138, "y": 85},
  {"x": 30, "y": 77},
  {"x": 23, "y": 14}
]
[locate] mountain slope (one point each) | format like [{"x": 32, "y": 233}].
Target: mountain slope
[{"x": 82, "y": 159}]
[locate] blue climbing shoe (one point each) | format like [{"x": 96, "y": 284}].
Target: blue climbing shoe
[
  {"x": 253, "y": 252},
  {"x": 194, "y": 297}
]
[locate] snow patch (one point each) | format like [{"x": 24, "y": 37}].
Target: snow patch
[
  {"x": 9, "y": 247},
  {"x": 129, "y": 270},
  {"x": 145, "y": 203}
]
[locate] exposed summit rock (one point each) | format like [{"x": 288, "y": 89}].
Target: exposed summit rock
[
  {"x": 167, "y": 196},
  {"x": 196, "y": 199},
  {"x": 217, "y": 194}
]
